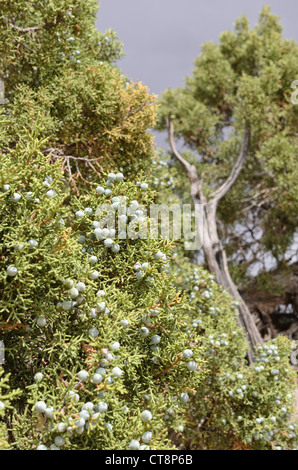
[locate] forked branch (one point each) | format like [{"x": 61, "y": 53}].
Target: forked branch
[
  {"x": 226, "y": 186},
  {"x": 191, "y": 171}
]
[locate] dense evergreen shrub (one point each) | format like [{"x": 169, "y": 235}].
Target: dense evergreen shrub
[{"x": 110, "y": 342}]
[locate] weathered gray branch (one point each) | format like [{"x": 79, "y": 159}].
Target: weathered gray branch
[
  {"x": 26, "y": 30},
  {"x": 32, "y": 29},
  {"x": 213, "y": 249},
  {"x": 226, "y": 186},
  {"x": 191, "y": 171}
]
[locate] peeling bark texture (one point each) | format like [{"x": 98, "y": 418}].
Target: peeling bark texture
[{"x": 213, "y": 250}]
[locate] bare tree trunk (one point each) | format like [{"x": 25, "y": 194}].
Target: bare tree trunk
[
  {"x": 217, "y": 263},
  {"x": 214, "y": 252}
]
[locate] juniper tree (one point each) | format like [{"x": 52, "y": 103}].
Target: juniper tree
[
  {"x": 107, "y": 350},
  {"x": 93, "y": 326},
  {"x": 236, "y": 406},
  {"x": 55, "y": 64},
  {"x": 108, "y": 341},
  {"x": 236, "y": 118}
]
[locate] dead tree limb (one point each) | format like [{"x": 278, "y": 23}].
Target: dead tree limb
[{"x": 214, "y": 252}]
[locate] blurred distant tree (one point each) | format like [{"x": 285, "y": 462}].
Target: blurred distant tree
[{"x": 236, "y": 119}]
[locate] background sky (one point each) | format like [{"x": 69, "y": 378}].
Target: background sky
[{"x": 163, "y": 37}]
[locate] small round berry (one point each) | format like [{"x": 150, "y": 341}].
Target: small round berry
[
  {"x": 49, "y": 412},
  {"x": 41, "y": 447},
  {"x": 93, "y": 259},
  {"x": 40, "y": 407},
  {"x": 192, "y": 366},
  {"x": 119, "y": 176},
  {"x": 124, "y": 323},
  {"x": 134, "y": 205},
  {"x": 68, "y": 283},
  {"x": 74, "y": 293},
  {"x": 97, "y": 378},
  {"x": 12, "y": 271},
  {"x": 92, "y": 313},
  {"x": 83, "y": 375},
  {"x": 139, "y": 275},
  {"x": 155, "y": 339},
  {"x": 61, "y": 427},
  {"x": 146, "y": 437},
  {"x": 88, "y": 406},
  {"x": 93, "y": 332},
  {"x": 184, "y": 397},
  {"x": 79, "y": 214},
  {"x": 38, "y": 377},
  {"x": 94, "y": 275},
  {"x": 81, "y": 286},
  {"x": 100, "y": 190},
  {"x": 80, "y": 423},
  {"x": 84, "y": 414},
  {"x": 102, "y": 407},
  {"x": 154, "y": 312},
  {"x": 98, "y": 233},
  {"x": 100, "y": 293},
  {"x": 54, "y": 447},
  {"x": 187, "y": 353},
  {"x": 108, "y": 242},
  {"x": 144, "y": 331},
  {"x": 146, "y": 416},
  {"x": 101, "y": 306},
  {"x": 33, "y": 243},
  {"x": 67, "y": 305},
  {"x": 134, "y": 445},
  {"x": 73, "y": 396},
  {"x": 15, "y": 197},
  {"x": 41, "y": 322},
  {"x": 115, "y": 248},
  {"x": 158, "y": 255},
  {"x": 88, "y": 210},
  {"x": 19, "y": 247},
  {"x": 117, "y": 372},
  {"x": 59, "y": 441},
  {"x": 51, "y": 193},
  {"x": 115, "y": 346}
]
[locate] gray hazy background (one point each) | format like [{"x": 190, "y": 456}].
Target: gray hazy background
[{"x": 163, "y": 37}]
